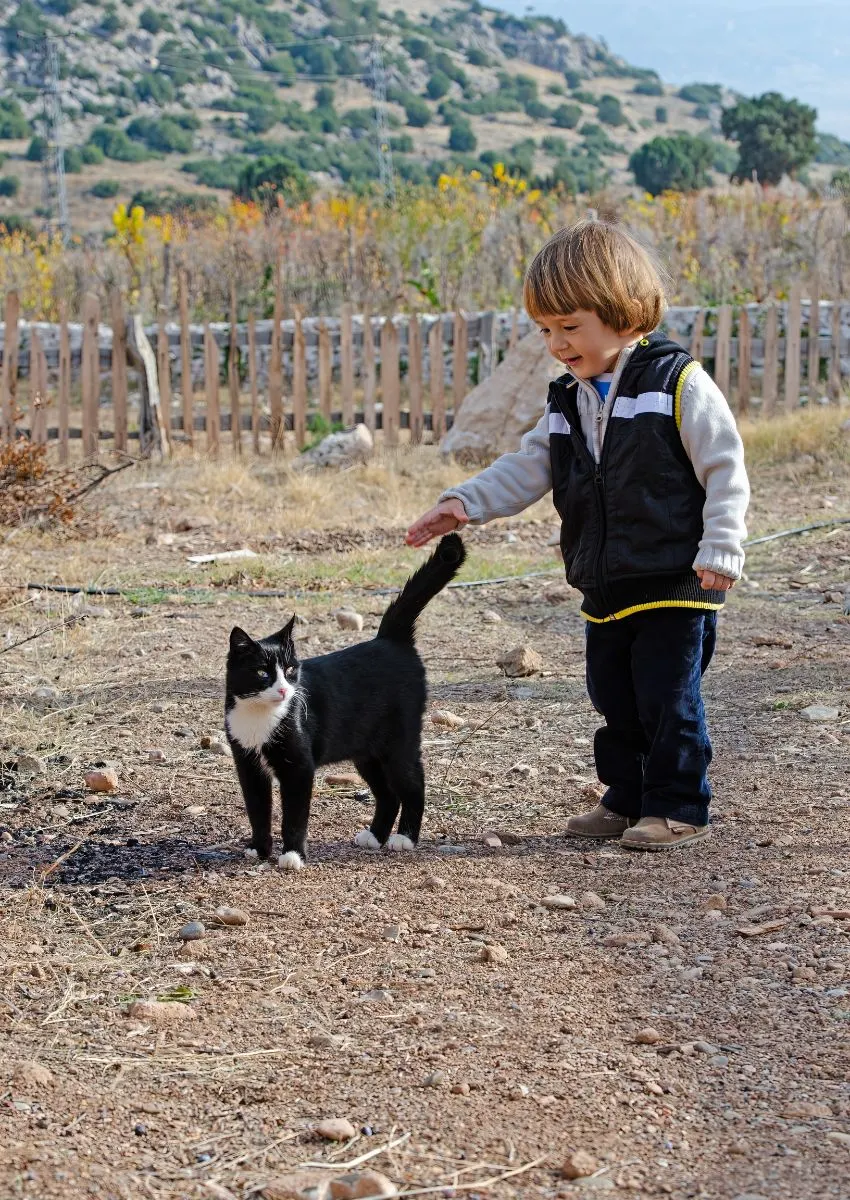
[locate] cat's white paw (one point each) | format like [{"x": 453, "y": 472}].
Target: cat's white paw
[
  {"x": 398, "y": 841},
  {"x": 366, "y": 840},
  {"x": 251, "y": 855},
  {"x": 291, "y": 861}
]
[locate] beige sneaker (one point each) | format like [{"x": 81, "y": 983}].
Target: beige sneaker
[
  {"x": 660, "y": 833},
  {"x": 600, "y": 822}
]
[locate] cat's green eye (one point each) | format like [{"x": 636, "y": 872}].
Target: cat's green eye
[
  {"x": 263, "y": 673},
  {"x": 291, "y": 672}
]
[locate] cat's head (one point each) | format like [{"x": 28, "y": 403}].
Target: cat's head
[{"x": 264, "y": 670}]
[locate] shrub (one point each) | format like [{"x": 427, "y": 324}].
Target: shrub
[
  {"x": 10, "y": 185},
  {"x": 438, "y": 85},
  {"x": 111, "y": 23},
  {"x": 37, "y": 149},
  {"x": 156, "y": 87},
  {"x": 554, "y": 145},
  {"x": 610, "y": 111},
  {"x": 661, "y": 114},
  {"x": 419, "y": 47},
  {"x": 476, "y": 57},
  {"x": 403, "y": 144},
  {"x": 13, "y": 123},
  {"x": 26, "y": 23},
  {"x": 418, "y": 113},
  {"x": 702, "y": 93},
  {"x": 73, "y": 159},
  {"x": 104, "y": 189},
  {"x": 566, "y": 116},
  {"x": 832, "y": 150},
  {"x": 597, "y": 141},
  {"x": 171, "y": 202},
  {"x": 91, "y": 155},
  {"x": 155, "y": 22},
  {"x": 584, "y": 97},
  {"x": 461, "y": 138},
  {"x": 701, "y": 112},
  {"x": 271, "y": 175},
  {"x": 115, "y": 143},
  {"x": 775, "y": 136},
  {"x": 573, "y": 78},
  {"x": 217, "y": 172},
  {"x": 318, "y": 59},
  {"x": 164, "y": 134},
  {"x": 282, "y": 65},
  {"x": 677, "y": 163},
  {"x": 648, "y": 87}
]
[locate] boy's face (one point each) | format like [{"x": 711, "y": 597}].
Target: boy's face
[{"x": 583, "y": 343}]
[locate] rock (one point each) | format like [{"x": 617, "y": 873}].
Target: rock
[
  {"x": 804, "y": 975},
  {"x": 579, "y": 1165},
  {"x": 520, "y": 662},
  {"x": 510, "y": 839},
  {"x": 391, "y": 933},
  {"x": 434, "y": 883},
  {"x": 558, "y": 902},
  {"x": 626, "y": 939},
  {"x": 504, "y": 406},
  {"x": 347, "y": 618},
  {"x": 194, "y": 810},
  {"x": 491, "y": 618},
  {"x": 343, "y": 779},
  {"x": 706, "y": 1048},
  {"x": 524, "y": 769},
  {"x": 156, "y": 756},
  {"x": 339, "y": 450},
  {"x": 373, "y": 1183},
  {"x": 189, "y": 655},
  {"x": 298, "y": 1185},
  {"x": 716, "y": 902},
  {"x": 840, "y": 1139},
  {"x": 557, "y": 593},
  {"x": 665, "y": 936},
  {"x": 447, "y": 720},
  {"x": 230, "y": 916},
  {"x": 47, "y": 695},
  {"x": 189, "y": 951},
  {"x": 183, "y": 731},
  {"x": 335, "y": 1129},
  {"x": 461, "y": 1089},
  {"x": 32, "y": 1074},
  {"x": 161, "y": 1013},
  {"x": 648, "y": 1036},
  {"x": 653, "y": 1089},
  {"x": 324, "y": 1041},
  {"x": 806, "y": 1110},
  {"x": 222, "y": 749},
  {"x": 29, "y": 766},
  {"x": 819, "y": 712},
  {"x": 492, "y": 840},
  {"x": 713, "y": 914},
  {"x": 493, "y": 954},
  {"x": 192, "y": 932},
  {"x": 378, "y": 996},
  {"x": 437, "y": 1079},
  {"x": 102, "y": 781},
  {"x": 591, "y": 902}
]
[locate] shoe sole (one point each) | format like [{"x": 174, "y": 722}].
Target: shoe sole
[
  {"x": 684, "y": 841},
  {"x": 595, "y": 837}
]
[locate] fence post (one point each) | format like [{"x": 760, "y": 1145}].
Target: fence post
[
  {"x": 513, "y": 337},
  {"x": 368, "y": 371},
  {"x": 65, "y": 383},
  {"x": 722, "y": 353},
  {"x": 390, "y": 382},
  {"x": 771, "y": 360},
  {"x": 39, "y": 398},
  {"x": 325, "y": 369},
  {"x": 299, "y": 383},
  {"x": 414, "y": 375},
  {"x": 211, "y": 370},
  {"x": 233, "y": 377},
  {"x": 252, "y": 380},
  {"x": 90, "y": 376},
  {"x": 460, "y": 360},
  {"x": 435, "y": 369},
  {"x": 163, "y": 370},
  {"x": 745, "y": 355},
  {"x": 835, "y": 354},
  {"x": 186, "y": 387},
  {"x": 346, "y": 363},
  {"x": 10, "y": 366},
  {"x": 792, "y": 346},
  {"x": 276, "y": 362},
  {"x": 813, "y": 342},
  {"x": 696, "y": 334}
]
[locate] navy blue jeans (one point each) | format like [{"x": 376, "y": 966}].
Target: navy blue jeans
[{"x": 643, "y": 676}]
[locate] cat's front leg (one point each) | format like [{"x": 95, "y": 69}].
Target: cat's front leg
[
  {"x": 296, "y": 791},
  {"x": 256, "y": 785}
]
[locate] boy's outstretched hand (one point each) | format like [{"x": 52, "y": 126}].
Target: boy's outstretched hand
[
  {"x": 446, "y": 516},
  {"x": 712, "y": 582}
]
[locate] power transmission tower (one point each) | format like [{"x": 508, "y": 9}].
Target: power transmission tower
[
  {"x": 54, "y": 160},
  {"x": 382, "y": 129}
]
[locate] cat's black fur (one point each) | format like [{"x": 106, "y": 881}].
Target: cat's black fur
[{"x": 363, "y": 704}]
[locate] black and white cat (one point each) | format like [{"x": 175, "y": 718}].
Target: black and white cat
[{"x": 285, "y": 718}]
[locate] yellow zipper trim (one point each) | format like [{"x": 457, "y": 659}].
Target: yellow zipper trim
[
  {"x": 680, "y": 387},
  {"x": 636, "y": 608}
]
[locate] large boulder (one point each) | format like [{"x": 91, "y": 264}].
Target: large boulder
[{"x": 502, "y": 408}]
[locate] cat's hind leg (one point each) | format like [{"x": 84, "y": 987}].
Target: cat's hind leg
[
  {"x": 386, "y": 805},
  {"x": 256, "y": 786},
  {"x": 407, "y": 780}
]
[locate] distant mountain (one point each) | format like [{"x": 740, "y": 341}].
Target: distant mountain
[{"x": 158, "y": 98}]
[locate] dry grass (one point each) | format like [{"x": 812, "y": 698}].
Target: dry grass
[{"x": 820, "y": 431}]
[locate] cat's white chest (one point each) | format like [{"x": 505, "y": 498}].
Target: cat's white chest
[{"x": 252, "y": 723}]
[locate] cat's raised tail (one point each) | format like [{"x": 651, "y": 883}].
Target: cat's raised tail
[{"x": 398, "y": 623}]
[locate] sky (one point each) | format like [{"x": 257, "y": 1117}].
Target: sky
[{"x": 754, "y": 46}]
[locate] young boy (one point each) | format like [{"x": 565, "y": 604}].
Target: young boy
[{"x": 646, "y": 467}]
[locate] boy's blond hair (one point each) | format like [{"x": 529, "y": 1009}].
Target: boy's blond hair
[{"x": 598, "y": 267}]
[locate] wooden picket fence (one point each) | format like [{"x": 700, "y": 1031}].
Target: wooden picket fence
[{"x": 285, "y": 378}]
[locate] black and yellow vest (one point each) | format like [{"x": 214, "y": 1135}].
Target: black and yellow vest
[{"x": 631, "y": 524}]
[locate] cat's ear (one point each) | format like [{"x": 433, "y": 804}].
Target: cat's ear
[
  {"x": 285, "y": 635},
  {"x": 240, "y": 640}
]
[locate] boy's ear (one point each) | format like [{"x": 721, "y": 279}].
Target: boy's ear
[
  {"x": 240, "y": 640},
  {"x": 285, "y": 635}
]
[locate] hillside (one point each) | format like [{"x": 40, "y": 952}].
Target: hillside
[{"x": 155, "y": 99}]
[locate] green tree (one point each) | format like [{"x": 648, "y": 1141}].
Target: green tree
[
  {"x": 775, "y": 136},
  {"x": 271, "y": 176},
  {"x": 13, "y": 123},
  {"x": 461, "y": 138},
  {"x": 10, "y": 185},
  {"x": 37, "y": 149},
  {"x": 438, "y": 85},
  {"x": 283, "y": 66},
  {"x": 104, "y": 189},
  {"x": 610, "y": 111},
  {"x": 661, "y": 114},
  {"x": 648, "y": 87},
  {"x": 679, "y": 164},
  {"x": 417, "y": 112},
  {"x": 566, "y": 116}
]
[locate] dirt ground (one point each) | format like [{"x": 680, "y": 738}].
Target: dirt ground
[{"x": 360, "y": 988}]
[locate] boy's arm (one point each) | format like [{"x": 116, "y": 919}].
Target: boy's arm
[
  {"x": 712, "y": 442},
  {"x": 512, "y": 482}
]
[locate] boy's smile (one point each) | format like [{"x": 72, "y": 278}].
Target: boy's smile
[{"x": 583, "y": 342}]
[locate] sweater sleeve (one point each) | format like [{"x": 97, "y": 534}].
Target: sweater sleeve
[
  {"x": 712, "y": 442},
  {"x": 513, "y": 482}
]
